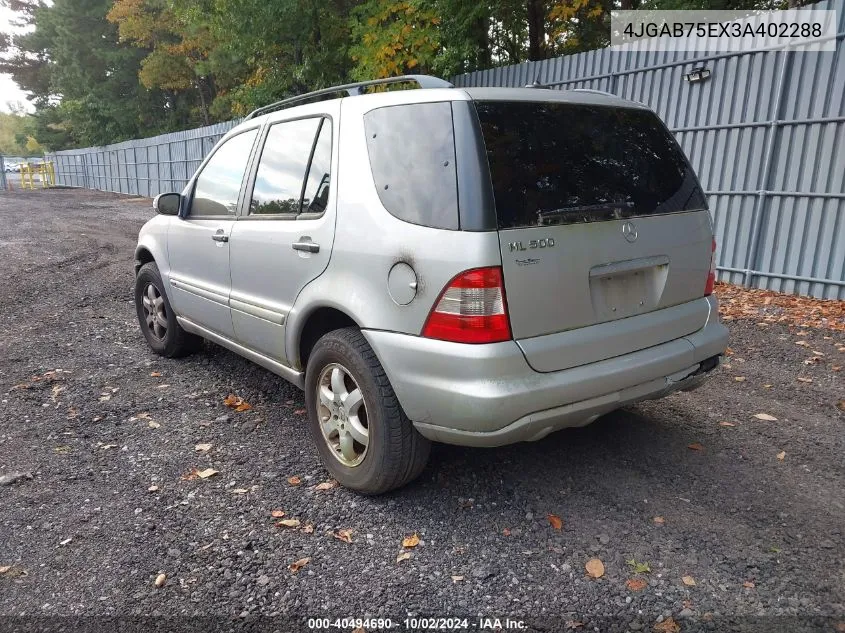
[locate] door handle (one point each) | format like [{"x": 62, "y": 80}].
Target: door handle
[
  {"x": 306, "y": 245},
  {"x": 220, "y": 236}
]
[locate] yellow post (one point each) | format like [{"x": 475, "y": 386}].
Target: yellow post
[
  {"x": 52, "y": 171},
  {"x": 26, "y": 176}
]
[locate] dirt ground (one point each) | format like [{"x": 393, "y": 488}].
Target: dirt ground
[{"x": 704, "y": 516}]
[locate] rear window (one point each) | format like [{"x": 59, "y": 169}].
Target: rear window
[{"x": 561, "y": 163}]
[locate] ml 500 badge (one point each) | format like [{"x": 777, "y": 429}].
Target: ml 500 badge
[{"x": 546, "y": 242}]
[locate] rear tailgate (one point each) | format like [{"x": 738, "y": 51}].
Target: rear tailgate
[{"x": 605, "y": 236}]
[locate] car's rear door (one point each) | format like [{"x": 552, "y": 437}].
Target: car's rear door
[
  {"x": 604, "y": 230},
  {"x": 285, "y": 237},
  {"x": 198, "y": 243}
]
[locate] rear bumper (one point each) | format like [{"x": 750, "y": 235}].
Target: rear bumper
[{"x": 488, "y": 395}]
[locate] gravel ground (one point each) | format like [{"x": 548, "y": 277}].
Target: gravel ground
[{"x": 693, "y": 485}]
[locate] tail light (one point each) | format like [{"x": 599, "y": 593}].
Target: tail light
[
  {"x": 711, "y": 277},
  {"x": 471, "y": 309}
]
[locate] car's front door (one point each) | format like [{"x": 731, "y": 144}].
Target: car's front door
[
  {"x": 285, "y": 238},
  {"x": 198, "y": 243}
]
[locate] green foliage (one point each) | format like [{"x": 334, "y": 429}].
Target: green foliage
[{"x": 16, "y": 132}]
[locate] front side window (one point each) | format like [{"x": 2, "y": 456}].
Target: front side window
[
  {"x": 219, "y": 183},
  {"x": 412, "y": 157},
  {"x": 282, "y": 167},
  {"x": 562, "y": 163}
]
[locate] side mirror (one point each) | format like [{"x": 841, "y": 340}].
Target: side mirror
[{"x": 167, "y": 203}]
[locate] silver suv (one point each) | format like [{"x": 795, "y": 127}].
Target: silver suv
[{"x": 476, "y": 266}]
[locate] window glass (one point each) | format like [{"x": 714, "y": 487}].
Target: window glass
[
  {"x": 560, "y": 163},
  {"x": 412, "y": 157},
  {"x": 317, "y": 185},
  {"x": 281, "y": 170},
  {"x": 219, "y": 183}
]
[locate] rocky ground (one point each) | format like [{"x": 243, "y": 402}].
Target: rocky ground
[{"x": 703, "y": 515}]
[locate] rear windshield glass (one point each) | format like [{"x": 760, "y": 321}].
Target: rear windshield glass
[{"x": 561, "y": 163}]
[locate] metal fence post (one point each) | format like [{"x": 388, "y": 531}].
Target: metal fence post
[{"x": 760, "y": 203}]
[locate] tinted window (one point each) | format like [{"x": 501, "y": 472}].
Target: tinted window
[
  {"x": 559, "y": 163},
  {"x": 219, "y": 183},
  {"x": 317, "y": 184},
  {"x": 412, "y": 157},
  {"x": 281, "y": 170}
]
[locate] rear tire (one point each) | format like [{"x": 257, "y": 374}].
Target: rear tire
[
  {"x": 157, "y": 320},
  {"x": 349, "y": 399}
]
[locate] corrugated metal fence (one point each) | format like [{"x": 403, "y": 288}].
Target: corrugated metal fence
[
  {"x": 144, "y": 167},
  {"x": 766, "y": 134}
]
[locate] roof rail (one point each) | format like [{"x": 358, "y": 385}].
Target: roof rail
[{"x": 351, "y": 90}]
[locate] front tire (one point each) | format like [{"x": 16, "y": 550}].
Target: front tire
[
  {"x": 157, "y": 320},
  {"x": 364, "y": 438}
]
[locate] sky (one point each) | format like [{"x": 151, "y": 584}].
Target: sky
[{"x": 9, "y": 90}]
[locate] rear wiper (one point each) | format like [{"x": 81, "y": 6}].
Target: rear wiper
[{"x": 612, "y": 207}]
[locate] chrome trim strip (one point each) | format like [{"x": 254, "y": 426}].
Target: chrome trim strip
[
  {"x": 291, "y": 375},
  {"x": 200, "y": 291},
  {"x": 258, "y": 311}
]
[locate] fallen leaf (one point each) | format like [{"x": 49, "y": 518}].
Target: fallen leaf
[
  {"x": 841, "y": 405},
  {"x": 155, "y": 374},
  {"x": 343, "y": 535},
  {"x": 767, "y": 386},
  {"x": 202, "y": 448},
  {"x": 659, "y": 520},
  {"x": 208, "y": 472},
  {"x": 638, "y": 568},
  {"x": 836, "y": 368},
  {"x": 689, "y": 581},
  {"x": 555, "y": 521},
  {"x": 299, "y": 412},
  {"x": 237, "y": 403},
  {"x": 729, "y": 351},
  {"x": 696, "y": 446},
  {"x": 5, "y": 568},
  {"x": 153, "y": 424},
  {"x": 739, "y": 378},
  {"x": 277, "y": 514},
  {"x": 506, "y": 532},
  {"x": 802, "y": 379},
  {"x": 152, "y": 489},
  {"x": 813, "y": 360},
  {"x": 297, "y": 565},
  {"x": 106, "y": 447},
  {"x": 240, "y": 491},
  {"x": 766, "y": 417},
  {"x": 289, "y": 523},
  {"x": 403, "y": 556},
  {"x": 802, "y": 343},
  {"x": 636, "y": 584},
  {"x": 294, "y": 481},
  {"x": 667, "y": 626},
  {"x": 411, "y": 541},
  {"x": 726, "y": 424},
  {"x": 815, "y": 353},
  {"x": 748, "y": 584},
  {"x": 308, "y": 529},
  {"x": 573, "y": 624},
  {"x": 326, "y": 485},
  {"x": 781, "y": 455},
  {"x": 595, "y": 568},
  {"x": 160, "y": 580}
]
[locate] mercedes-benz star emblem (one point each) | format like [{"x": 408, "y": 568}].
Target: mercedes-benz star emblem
[{"x": 629, "y": 230}]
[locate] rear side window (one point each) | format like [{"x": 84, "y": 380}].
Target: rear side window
[
  {"x": 561, "y": 163},
  {"x": 316, "y": 195},
  {"x": 412, "y": 157},
  {"x": 282, "y": 167}
]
